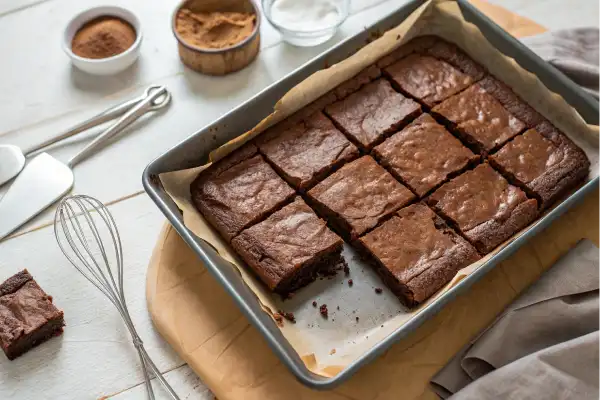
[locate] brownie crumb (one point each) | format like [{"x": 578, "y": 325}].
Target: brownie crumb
[
  {"x": 378, "y": 290},
  {"x": 357, "y": 319},
  {"x": 323, "y": 310},
  {"x": 278, "y": 318},
  {"x": 332, "y": 352},
  {"x": 346, "y": 269},
  {"x": 314, "y": 303},
  {"x": 350, "y": 282},
  {"x": 338, "y": 307},
  {"x": 290, "y": 317}
]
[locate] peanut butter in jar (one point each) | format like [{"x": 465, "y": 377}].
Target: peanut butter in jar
[{"x": 214, "y": 30}]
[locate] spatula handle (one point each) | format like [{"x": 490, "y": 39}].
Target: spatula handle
[
  {"x": 104, "y": 116},
  {"x": 150, "y": 103}
]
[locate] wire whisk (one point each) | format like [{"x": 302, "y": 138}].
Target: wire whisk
[{"x": 87, "y": 234}]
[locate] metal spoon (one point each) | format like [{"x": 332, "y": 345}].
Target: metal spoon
[{"x": 12, "y": 158}]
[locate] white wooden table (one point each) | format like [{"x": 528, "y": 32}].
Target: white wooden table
[{"x": 41, "y": 94}]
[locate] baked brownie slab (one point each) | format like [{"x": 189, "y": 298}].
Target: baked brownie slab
[
  {"x": 367, "y": 115},
  {"x": 484, "y": 207},
  {"x": 416, "y": 254},
  {"x": 423, "y": 154},
  {"x": 27, "y": 315},
  {"x": 306, "y": 152},
  {"x": 544, "y": 162},
  {"x": 289, "y": 248},
  {"x": 359, "y": 195},
  {"x": 480, "y": 120},
  {"x": 234, "y": 194}
]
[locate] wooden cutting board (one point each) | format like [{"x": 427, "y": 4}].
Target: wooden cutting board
[{"x": 205, "y": 327}]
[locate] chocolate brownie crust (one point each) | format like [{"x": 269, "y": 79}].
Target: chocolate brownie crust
[
  {"x": 511, "y": 102},
  {"x": 306, "y": 152},
  {"x": 484, "y": 207},
  {"x": 544, "y": 162},
  {"x": 233, "y": 197},
  {"x": 27, "y": 315},
  {"x": 417, "y": 45},
  {"x": 416, "y": 254},
  {"x": 427, "y": 79},
  {"x": 479, "y": 119},
  {"x": 288, "y": 248},
  {"x": 376, "y": 110},
  {"x": 358, "y": 196},
  {"x": 15, "y": 282},
  {"x": 423, "y": 155},
  {"x": 454, "y": 56}
]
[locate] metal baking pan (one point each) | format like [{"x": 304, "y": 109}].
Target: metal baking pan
[{"x": 194, "y": 151}]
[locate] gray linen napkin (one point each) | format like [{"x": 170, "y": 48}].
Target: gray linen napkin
[
  {"x": 574, "y": 52},
  {"x": 543, "y": 346}
]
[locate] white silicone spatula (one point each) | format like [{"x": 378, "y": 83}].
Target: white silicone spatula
[
  {"x": 12, "y": 158},
  {"x": 45, "y": 179}
]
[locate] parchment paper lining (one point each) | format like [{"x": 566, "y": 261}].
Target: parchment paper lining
[{"x": 328, "y": 346}]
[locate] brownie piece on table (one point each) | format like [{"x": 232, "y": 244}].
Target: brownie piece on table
[
  {"x": 369, "y": 114},
  {"x": 480, "y": 119},
  {"x": 423, "y": 154},
  {"x": 484, "y": 207},
  {"x": 359, "y": 195},
  {"x": 416, "y": 254},
  {"x": 27, "y": 315},
  {"x": 289, "y": 248},
  {"x": 306, "y": 152},
  {"x": 544, "y": 162},
  {"x": 238, "y": 191}
]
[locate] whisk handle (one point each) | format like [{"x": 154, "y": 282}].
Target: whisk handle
[{"x": 159, "y": 375}]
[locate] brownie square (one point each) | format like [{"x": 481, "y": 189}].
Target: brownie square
[
  {"x": 511, "y": 101},
  {"x": 416, "y": 254},
  {"x": 428, "y": 79},
  {"x": 484, "y": 207},
  {"x": 289, "y": 248},
  {"x": 479, "y": 119},
  {"x": 27, "y": 315},
  {"x": 544, "y": 162},
  {"x": 306, "y": 152},
  {"x": 238, "y": 191},
  {"x": 423, "y": 155},
  {"x": 367, "y": 115},
  {"x": 358, "y": 196}
]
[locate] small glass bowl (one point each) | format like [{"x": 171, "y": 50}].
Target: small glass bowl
[{"x": 300, "y": 31}]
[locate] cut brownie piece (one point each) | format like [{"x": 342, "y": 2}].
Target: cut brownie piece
[
  {"x": 416, "y": 254},
  {"x": 544, "y": 162},
  {"x": 511, "y": 101},
  {"x": 428, "y": 79},
  {"x": 375, "y": 110},
  {"x": 289, "y": 248},
  {"x": 484, "y": 207},
  {"x": 423, "y": 154},
  {"x": 359, "y": 195},
  {"x": 306, "y": 152},
  {"x": 479, "y": 119},
  {"x": 27, "y": 315},
  {"x": 417, "y": 45},
  {"x": 238, "y": 191}
]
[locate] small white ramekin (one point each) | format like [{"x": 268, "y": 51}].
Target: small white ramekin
[{"x": 110, "y": 65}]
